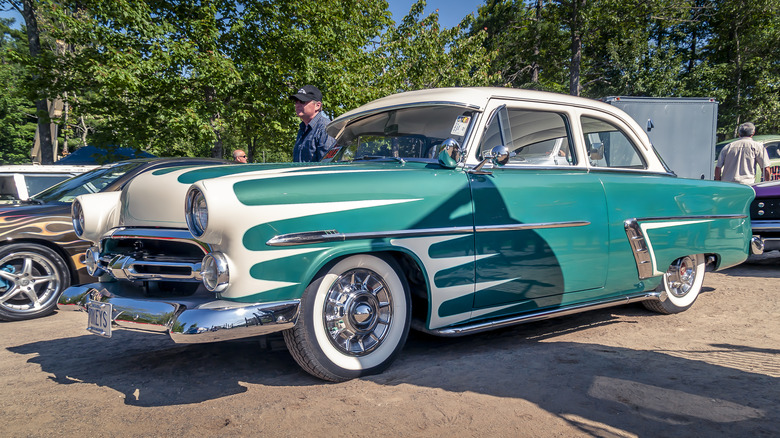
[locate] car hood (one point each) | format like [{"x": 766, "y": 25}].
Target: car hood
[
  {"x": 156, "y": 199},
  {"x": 769, "y": 189}
]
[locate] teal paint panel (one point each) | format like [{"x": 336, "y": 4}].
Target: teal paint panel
[
  {"x": 217, "y": 172},
  {"x": 456, "y": 306},
  {"x": 425, "y": 200},
  {"x": 546, "y": 261},
  {"x": 661, "y": 196}
]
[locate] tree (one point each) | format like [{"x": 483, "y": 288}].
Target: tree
[
  {"x": 743, "y": 63},
  {"x": 418, "y": 54},
  {"x": 17, "y": 127},
  {"x": 29, "y": 10}
]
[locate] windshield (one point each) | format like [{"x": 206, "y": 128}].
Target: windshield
[
  {"x": 405, "y": 133},
  {"x": 88, "y": 182}
]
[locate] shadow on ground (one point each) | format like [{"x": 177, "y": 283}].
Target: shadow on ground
[{"x": 585, "y": 384}]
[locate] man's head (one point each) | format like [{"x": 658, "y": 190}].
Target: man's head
[
  {"x": 746, "y": 130},
  {"x": 308, "y": 102},
  {"x": 239, "y": 156}
]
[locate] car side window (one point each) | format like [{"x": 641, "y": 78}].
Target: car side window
[
  {"x": 539, "y": 138},
  {"x": 773, "y": 150},
  {"x": 609, "y": 146}
]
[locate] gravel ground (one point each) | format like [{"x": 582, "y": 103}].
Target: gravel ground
[{"x": 710, "y": 371}]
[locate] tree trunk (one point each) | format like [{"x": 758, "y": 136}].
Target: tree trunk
[
  {"x": 41, "y": 106},
  {"x": 66, "y": 128},
  {"x": 738, "y": 79},
  {"x": 576, "y": 48},
  {"x": 537, "y": 43}
]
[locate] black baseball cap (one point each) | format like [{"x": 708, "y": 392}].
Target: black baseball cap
[{"x": 307, "y": 93}]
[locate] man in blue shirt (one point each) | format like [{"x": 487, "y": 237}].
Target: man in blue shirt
[{"x": 312, "y": 142}]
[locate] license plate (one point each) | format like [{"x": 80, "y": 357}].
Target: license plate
[{"x": 99, "y": 321}]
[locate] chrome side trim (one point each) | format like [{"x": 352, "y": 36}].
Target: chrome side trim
[
  {"x": 324, "y": 236},
  {"x": 537, "y": 226},
  {"x": 637, "y": 239},
  {"x": 698, "y": 217},
  {"x": 188, "y": 320},
  {"x": 484, "y": 326}
]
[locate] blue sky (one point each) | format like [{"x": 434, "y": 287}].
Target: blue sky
[{"x": 450, "y": 11}]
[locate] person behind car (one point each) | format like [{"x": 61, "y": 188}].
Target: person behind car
[
  {"x": 239, "y": 156},
  {"x": 737, "y": 161},
  {"x": 312, "y": 141}
]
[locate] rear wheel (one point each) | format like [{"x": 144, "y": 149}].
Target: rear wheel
[
  {"x": 681, "y": 285},
  {"x": 32, "y": 277},
  {"x": 354, "y": 319}
]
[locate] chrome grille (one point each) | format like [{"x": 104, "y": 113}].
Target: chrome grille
[{"x": 152, "y": 254}]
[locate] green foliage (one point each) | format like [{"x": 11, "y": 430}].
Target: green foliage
[
  {"x": 202, "y": 78},
  {"x": 726, "y": 49},
  {"x": 417, "y": 54},
  {"x": 17, "y": 128}
]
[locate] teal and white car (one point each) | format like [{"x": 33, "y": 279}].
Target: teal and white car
[{"x": 428, "y": 214}]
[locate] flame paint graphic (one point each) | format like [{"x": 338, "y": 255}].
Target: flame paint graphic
[{"x": 35, "y": 226}]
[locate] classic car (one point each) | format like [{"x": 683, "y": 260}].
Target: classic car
[
  {"x": 426, "y": 214},
  {"x": 104, "y": 154},
  {"x": 771, "y": 143},
  {"x": 765, "y": 214},
  {"x": 19, "y": 182},
  {"x": 40, "y": 254}
]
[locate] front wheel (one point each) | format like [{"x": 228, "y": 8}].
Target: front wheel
[
  {"x": 354, "y": 319},
  {"x": 681, "y": 285},
  {"x": 32, "y": 277}
]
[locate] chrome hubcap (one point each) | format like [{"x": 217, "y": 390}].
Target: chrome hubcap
[
  {"x": 680, "y": 276},
  {"x": 358, "y": 312}
]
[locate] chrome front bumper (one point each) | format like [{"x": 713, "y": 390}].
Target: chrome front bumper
[
  {"x": 188, "y": 320},
  {"x": 766, "y": 232}
]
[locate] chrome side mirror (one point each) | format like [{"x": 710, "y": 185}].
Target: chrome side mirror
[
  {"x": 449, "y": 153},
  {"x": 499, "y": 155}
]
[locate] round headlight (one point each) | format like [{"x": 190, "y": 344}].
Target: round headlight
[
  {"x": 196, "y": 212},
  {"x": 214, "y": 272},
  {"x": 77, "y": 217}
]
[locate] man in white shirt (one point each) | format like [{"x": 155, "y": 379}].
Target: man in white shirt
[{"x": 737, "y": 161}]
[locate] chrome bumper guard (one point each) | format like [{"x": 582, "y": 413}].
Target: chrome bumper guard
[
  {"x": 757, "y": 245},
  {"x": 766, "y": 232},
  {"x": 194, "y": 319}
]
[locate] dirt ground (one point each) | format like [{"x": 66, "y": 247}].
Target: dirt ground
[{"x": 711, "y": 371}]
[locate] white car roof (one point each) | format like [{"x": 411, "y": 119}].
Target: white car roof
[{"x": 44, "y": 168}]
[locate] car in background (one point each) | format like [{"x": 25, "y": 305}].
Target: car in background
[
  {"x": 19, "y": 182},
  {"x": 40, "y": 254},
  {"x": 100, "y": 155},
  {"x": 771, "y": 143},
  {"x": 428, "y": 214},
  {"x": 765, "y": 214}
]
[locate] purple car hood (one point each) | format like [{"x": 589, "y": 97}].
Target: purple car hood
[{"x": 769, "y": 189}]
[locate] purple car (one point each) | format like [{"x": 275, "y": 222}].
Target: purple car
[{"x": 765, "y": 215}]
